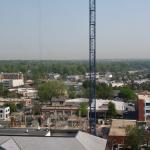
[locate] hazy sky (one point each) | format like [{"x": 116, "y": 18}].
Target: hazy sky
[{"x": 58, "y": 29}]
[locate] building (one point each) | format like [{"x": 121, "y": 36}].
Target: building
[
  {"x": 54, "y": 76},
  {"x": 58, "y": 101},
  {"x": 11, "y": 80},
  {"x": 102, "y": 107},
  {"x": 11, "y": 76},
  {"x": 117, "y": 84},
  {"x": 4, "y": 113},
  {"x": 28, "y": 92},
  {"x": 24, "y": 101},
  {"x": 59, "y": 110},
  {"x": 73, "y": 78},
  {"x": 76, "y": 101},
  {"x": 87, "y": 76},
  {"x": 12, "y": 83},
  {"x": 117, "y": 132},
  {"x": 143, "y": 106}
]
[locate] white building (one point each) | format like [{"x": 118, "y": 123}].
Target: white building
[
  {"x": 102, "y": 105},
  {"x": 28, "y": 92},
  {"x": 54, "y": 76},
  {"x": 4, "y": 113},
  {"x": 87, "y": 76},
  {"x": 117, "y": 84},
  {"x": 76, "y": 101},
  {"x": 13, "y": 83},
  {"x": 73, "y": 77}
]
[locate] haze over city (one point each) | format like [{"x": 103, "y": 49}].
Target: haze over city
[{"x": 45, "y": 29}]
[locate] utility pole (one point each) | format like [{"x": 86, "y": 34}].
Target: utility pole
[{"x": 92, "y": 65}]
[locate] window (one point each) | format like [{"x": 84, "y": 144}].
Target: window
[
  {"x": 1, "y": 111},
  {"x": 147, "y": 104},
  {"x": 147, "y": 111}
]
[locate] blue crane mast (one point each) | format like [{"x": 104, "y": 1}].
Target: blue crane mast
[{"x": 92, "y": 65}]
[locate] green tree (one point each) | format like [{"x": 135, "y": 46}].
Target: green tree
[
  {"x": 127, "y": 94},
  {"x": 104, "y": 91},
  {"x": 134, "y": 138},
  {"x": 51, "y": 89},
  {"x": 12, "y": 106},
  {"x": 36, "y": 109},
  {"x": 19, "y": 106},
  {"x": 111, "y": 110},
  {"x": 83, "y": 110}
]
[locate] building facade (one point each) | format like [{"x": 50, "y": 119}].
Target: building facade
[
  {"x": 4, "y": 113},
  {"x": 143, "y": 107}
]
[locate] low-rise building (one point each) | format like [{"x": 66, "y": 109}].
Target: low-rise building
[
  {"x": 76, "y": 101},
  {"x": 117, "y": 132},
  {"x": 143, "y": 106},
  {"x": 11, "y": 83},
  {"x": 117, "y": 84},
  {"x": 11, "y": 76},
  {"x": 24, "y": 101},
  {"x": 73, "y": 78},
  {"x": 11, "y": 80},
  {"x": 58, "y": 101},
  {"x": 28, "y": 92},
  {"x": 59, "y": 110},
  {"x": 53, "y": 76},
  {"x": 4, "y": 113},
  {"x": 102, "y": 106}
]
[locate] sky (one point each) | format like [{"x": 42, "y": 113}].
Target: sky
[{"x": 58, "y": 29}]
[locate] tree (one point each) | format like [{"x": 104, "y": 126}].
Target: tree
[
  {"x": 111, "y": 110},
  {"x": 19, "y": 106},
  {"x": 51, "y": 89},
  {"x": 134, "y": 137},
  {"x": 104, "y": 91},
  {"x": 12, "y": 106},
  {"x": 83, "y": 110},
  {"x": 127, "y": 94},
  {"x": 36, "y": 109}
]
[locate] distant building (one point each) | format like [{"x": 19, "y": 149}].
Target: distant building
[
  {"x": 11, "y": 80},
  {"x": 12, "y": 83},
  {"x": 58, "y": 101},
  {"x": 28, "y": 92},
  {"x": 59, "y": 110},
  {"x": 117, "y": 84},
  {"x": 24, "y": 101},
  {"x": 87, "y": 76},
  {"x": 102, "y": 106},
  {"x": 76, "y": 101},
  {"x": 11, "y": 76},
  {"x": 4, "y": 113},
  {"x": 73, "y": 78},
  {"x": 143, "y": 106},
  {"x": 53, "y": 76}
]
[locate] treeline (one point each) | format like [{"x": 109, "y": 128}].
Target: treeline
[{"x": 38, "y": 69}]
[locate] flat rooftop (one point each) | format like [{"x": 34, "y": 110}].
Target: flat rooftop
[{"x": 118, "y": 126}]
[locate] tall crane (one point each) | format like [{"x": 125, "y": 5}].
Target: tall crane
[{"x": 92, "y": 65}]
